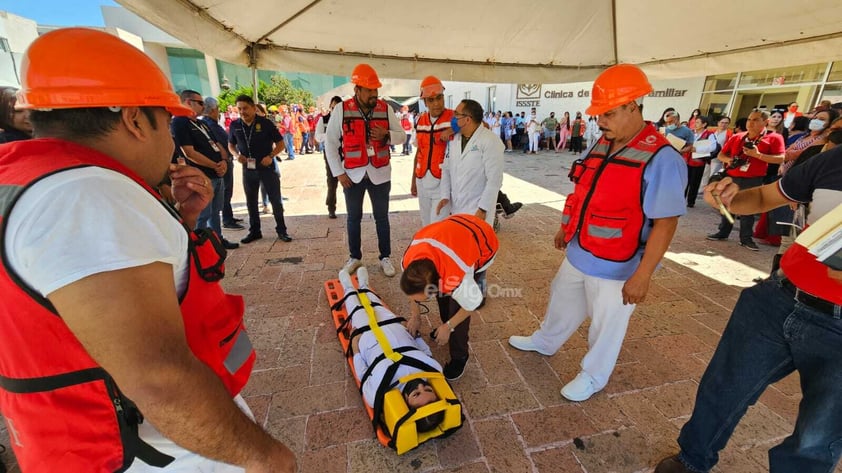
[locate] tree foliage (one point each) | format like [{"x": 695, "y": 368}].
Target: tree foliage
[{"x": 279, "y": 91}]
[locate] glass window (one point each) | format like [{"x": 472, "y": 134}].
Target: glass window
[
  {"x": 783, "y": 76},
  {"x": 714, "y": 105},
  {"x": 467, "y": 94},
  {"x": 491, "y": 99},
  {"x": 720, "y": 82},
  {"x": 189, "y": 70},
  {"x": 832, "y": 92},
  {"x": 835, "y": 72}
]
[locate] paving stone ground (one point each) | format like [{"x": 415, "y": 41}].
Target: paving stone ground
[{"x": 516, "y": 420}]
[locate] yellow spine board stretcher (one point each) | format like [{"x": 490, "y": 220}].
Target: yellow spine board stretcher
[{"x": 400, "y": 432}]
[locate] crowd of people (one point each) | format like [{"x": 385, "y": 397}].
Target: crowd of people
[{"x": 148, "y": 173}]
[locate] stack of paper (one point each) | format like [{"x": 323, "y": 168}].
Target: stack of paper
[{"x": 823, "y": 239}]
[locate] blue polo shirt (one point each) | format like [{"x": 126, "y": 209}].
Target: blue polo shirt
[{"x": 255, "y": 140}]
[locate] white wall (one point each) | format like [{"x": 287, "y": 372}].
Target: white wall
[
  {"x": 20, "y": 33},
  {"x": 682, "y": 94}
]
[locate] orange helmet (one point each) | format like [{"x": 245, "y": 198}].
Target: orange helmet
[
  {"x": 431, "y": 86},
  {"x": 85, "y": 68},
  {"x": 617, "y": 85},
  {"x": 365, "y": 76}
]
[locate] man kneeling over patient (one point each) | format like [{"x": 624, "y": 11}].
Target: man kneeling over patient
[{"x": 366, "y": 351}]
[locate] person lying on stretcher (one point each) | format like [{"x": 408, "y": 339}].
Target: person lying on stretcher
[{"x": 366, "y": 349}]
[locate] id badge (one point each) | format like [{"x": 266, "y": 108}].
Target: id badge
[
  {"x": 215, "y": 148},
  {"x": 181, "y": 161},
  {"x": 251, "y": 163},
  {"x": 370, "y": 150},
  {"x": 744, "y": 167}
]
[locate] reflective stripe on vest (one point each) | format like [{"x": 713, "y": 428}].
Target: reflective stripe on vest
[
  {"x": 240, "y": 353},
  {"x": 446, "y": 250}
]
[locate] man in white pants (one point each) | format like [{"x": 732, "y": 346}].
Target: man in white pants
[
  {"x": 432, "y": 134},
  {"x": 617, "y": 225}
]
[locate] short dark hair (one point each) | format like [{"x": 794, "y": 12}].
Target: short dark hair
[
  {"x": 472, "y": 109},
  {"x": 432, "y": 421},
  {"x": 244, "y": 98},
  {"x": 703, "y": 119},
  {"x": 835, "y": 137},
  {"x": 418, "y": 275},
  {"x": 80, "y": 123},
  {"x": 336, "y": 99},
  {"x": 188, "y": 94},
  {"x": 800, "y": 123}
]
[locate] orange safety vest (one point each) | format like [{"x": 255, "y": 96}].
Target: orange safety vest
[
  {"x": 605, "y": 209},
  {"x": 458, "y": 245},
  {"x": 355, "y": 127},
  {"x": 64, "y": 411},
  {"x": 431, "y": 149}
]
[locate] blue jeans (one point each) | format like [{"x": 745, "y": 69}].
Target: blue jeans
[
  {"x": 769, "y": 336},
  {"x": 209, "y": 216},
  {"x": 379, "y": 197},
  {"x": 289, "y": 144},
  {"x": 252, "y": 179}
]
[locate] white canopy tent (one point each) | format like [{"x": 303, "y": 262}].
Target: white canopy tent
[{"x": 550, "y": 41}]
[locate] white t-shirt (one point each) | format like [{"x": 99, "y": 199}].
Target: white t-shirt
[
  {"x": 86, "y": 221},
  {"x": 91, "y": 220}
]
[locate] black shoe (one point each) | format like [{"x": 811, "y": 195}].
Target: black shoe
[
  {"x": 237, "y": 220},
  {"x": 672, "y": 465},
  {"x": 284, "y": 237},
  {"x": 228, "y": 245},
  {"x": 331, "y": 214},
  {"x": 690, "y": 205},
  {"x": 233, "y": 226},
  {"x": 716, "y": 237},
  {"x": 514, "y": 208},
  {"x": 750, "y": 244},
  {"x": 251, "y": 237},
  {"x": 454, "y": 369}
]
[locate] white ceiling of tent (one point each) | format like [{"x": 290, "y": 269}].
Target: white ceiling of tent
[{"x": 549, "y": 41}]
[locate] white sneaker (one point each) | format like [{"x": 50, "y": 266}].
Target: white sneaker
[
  {"x": 362, "y": 277},
  {"x": 351, "y": 265},
  {"x": 345, "y": 280},
  {"x": 525, "y": 344},
  {"x": 388, "y": 267},
  {"x": 581, "y": 388}
]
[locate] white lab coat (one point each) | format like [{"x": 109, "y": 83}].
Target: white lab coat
[{"x": 472, "y": 179}]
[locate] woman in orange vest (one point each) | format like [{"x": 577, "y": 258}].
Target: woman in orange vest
[{"x": 448, "y": 259}]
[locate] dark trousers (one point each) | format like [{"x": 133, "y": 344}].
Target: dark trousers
[
  {"x": 332, "y": 184},
  {"x": 746, "y": 221},
  {"x": 694, "y": 180},
  {"x": 576, "y": 144},
  {"x": 769, "y": 335},
  {"x": 504, "y": 201},
  {"x": 458, "y": 343},
  {"x": 252, "y": 179},
  {"x": 379, "y": 197},
  {"x": 228, "y": 178}
]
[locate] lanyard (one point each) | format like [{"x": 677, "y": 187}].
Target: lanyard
[
  {"x": 202, "y": 129},
  {"x": 248, "y": 137},
  {"x": 366, "y": 119}
]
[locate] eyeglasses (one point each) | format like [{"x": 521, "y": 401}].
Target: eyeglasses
[
  {"x": 201, "y": 103},
  {"x": 459, "y": 115},
  {"x": 669, "y": 115}
]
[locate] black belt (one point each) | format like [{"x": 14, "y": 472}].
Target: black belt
[{"x": 810, "y": 300}]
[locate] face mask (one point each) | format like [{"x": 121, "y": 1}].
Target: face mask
[
  {"x": 454, "y": 124},
  {"x": 816, "y": 125},
  {"x": 671, "y": 127}
]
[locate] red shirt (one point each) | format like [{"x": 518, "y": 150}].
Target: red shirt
[{"x": 769, "y": 143}]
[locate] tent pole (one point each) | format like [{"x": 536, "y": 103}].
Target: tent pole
[{"x": 253, "y": 66}]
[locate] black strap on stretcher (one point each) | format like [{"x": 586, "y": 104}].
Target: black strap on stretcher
[
  {"x": 408, "y": 415},
  {"x": 386, "y": 385}
]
